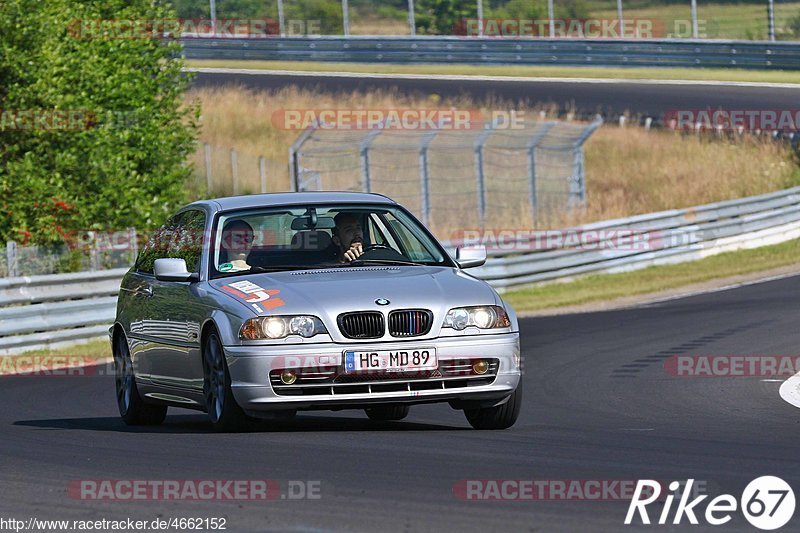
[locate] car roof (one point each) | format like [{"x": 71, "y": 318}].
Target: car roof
[{"x": 292, "y": 198}]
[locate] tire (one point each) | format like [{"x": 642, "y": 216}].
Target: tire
[
  {"x": 383, "y": 413},
  {"x": 223, "y": 411},
  {"x": 499, "y": 417},
  {"x": 132, "y": 408}
]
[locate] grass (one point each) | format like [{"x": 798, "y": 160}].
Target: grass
[
  {"x": 602, "y": 287},
  {"x": 46, "y": 360},
  {"x": 629, "y": 170},
  {"x": 699, "y": 74}
]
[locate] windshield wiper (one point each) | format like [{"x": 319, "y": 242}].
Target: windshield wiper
[{"x": 358, "y": 262}]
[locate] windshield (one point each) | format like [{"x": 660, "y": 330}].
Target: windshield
[{"x": 319, "y": 236}]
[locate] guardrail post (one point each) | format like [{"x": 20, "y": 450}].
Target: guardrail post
[
  {"x": 551, "y": 18},
  {"x": 423, "y": 176},
  {"x": 366, "y": 181},
  {"x": 11, "y": 259},
  {"x": 207, "y": 154},
  {"x": 694, "y": 19},
  {"x": 262, "y": 173},
  {"x": 234, "y": 173}
]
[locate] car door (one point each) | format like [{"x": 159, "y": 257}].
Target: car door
[
  {"x": 148, "y": 320},
  {"x": 184, "y": 306}
]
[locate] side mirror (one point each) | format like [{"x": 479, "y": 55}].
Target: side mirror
[
  {"x": 472, "y": 256},
  {"x": 172, "y": 269}
]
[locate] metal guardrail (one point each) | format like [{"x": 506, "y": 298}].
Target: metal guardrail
[
  {"x": 42, "y": 311},
  {"x": 523, "y": 51},
  {"x": 665, "y": 237},
  {"x": 48, "y": 311}
]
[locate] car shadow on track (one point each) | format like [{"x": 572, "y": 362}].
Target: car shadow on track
[{"x": 200, "y": 424}]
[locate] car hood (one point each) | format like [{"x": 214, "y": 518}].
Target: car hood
[{"x": 329, "y": 292}]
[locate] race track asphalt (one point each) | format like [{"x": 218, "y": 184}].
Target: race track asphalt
[
  {"x": 608, "y": 99},
  {"x": 598, "y": 405}
]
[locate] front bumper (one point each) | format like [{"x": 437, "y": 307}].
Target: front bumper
[{"x": 250, "y": 367}]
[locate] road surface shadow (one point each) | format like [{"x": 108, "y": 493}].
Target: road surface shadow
[{"x": 200, "y": 424}]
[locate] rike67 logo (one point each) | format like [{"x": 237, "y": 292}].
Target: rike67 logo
[{"x": 767, "y": 503}]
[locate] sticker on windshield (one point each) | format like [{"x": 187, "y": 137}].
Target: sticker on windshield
[
  {"x": 225, "y": 267},
  {"x": 259, "y": 298}
]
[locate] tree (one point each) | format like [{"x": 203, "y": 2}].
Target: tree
[{"x": 94, "y": 133}]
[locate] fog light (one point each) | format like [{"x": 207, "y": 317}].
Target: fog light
[
  {"x": 288, "y": 377},
  {"x": 480, "y": 367}
]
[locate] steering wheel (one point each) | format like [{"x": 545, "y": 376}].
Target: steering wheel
[{"x": 375, "y": 246}]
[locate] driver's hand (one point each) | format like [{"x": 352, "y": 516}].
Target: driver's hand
[{"x": 355, "y": 250}]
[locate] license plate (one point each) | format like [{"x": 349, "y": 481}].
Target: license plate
[{"x": 390, "y": 360}]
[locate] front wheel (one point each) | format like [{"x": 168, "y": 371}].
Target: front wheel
[
  {"x": 132, "y": 408},
  {"x": 224, "y": 412},
  {"x": 499, "y": 417}
]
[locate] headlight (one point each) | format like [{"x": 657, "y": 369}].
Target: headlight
[
  {"x": 279, "y": 327},
  {"x": 483, "y": 317}
]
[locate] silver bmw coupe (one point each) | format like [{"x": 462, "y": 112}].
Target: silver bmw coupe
[{"x": 259, "y": 306}]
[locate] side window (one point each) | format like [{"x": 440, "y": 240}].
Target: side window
[
  {"x": 157, "y": 246},
  {"x": 186, "y": 239}
]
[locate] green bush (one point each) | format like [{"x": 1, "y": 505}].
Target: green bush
[
  {"x": 444, "y": 17},
  {"x": 93, "y": 131}
]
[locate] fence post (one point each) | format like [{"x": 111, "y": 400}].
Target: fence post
[
  {"x": 213, "y": 12},
  {"x": 11, "y": 259},
  {"x": 345, "y": 18},
  {"x": 234, "y": 174},
  {"x": 366, "y": 179},
  {"x": 412, "y": 20},
  {"x": 132, "y": 236},
  {"x": 530, "y": 146},
  {"x": 479, "y": 172},
  {"x": 207, "y": 153},
  {"x": 771, "y": 19},
  {"x": 423, "y": 176},
  {"x": 93, "y": 255},
  {"x": 294, "y": 156},
  {"x": 480, "y": 18},
  {"x": 694, "y": 19},
  {"x": 262, "y": 172},
  {"x": 281, "y": 21},
  {"x": 577, "y": 184}
]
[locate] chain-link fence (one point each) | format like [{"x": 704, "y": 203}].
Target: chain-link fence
[
  {"x": 88, "y": 251},
  {"x": 480, "y": 178}
]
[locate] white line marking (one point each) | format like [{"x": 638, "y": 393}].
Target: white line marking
[
  {"x": 790, "y": 390},
  {"x": 772, "y": 380},
  {"x": 455, "y": 77}
]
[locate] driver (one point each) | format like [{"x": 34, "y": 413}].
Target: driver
[
  {"x": 237, "y": 240},
  {"x": 348, "y": 236}
]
